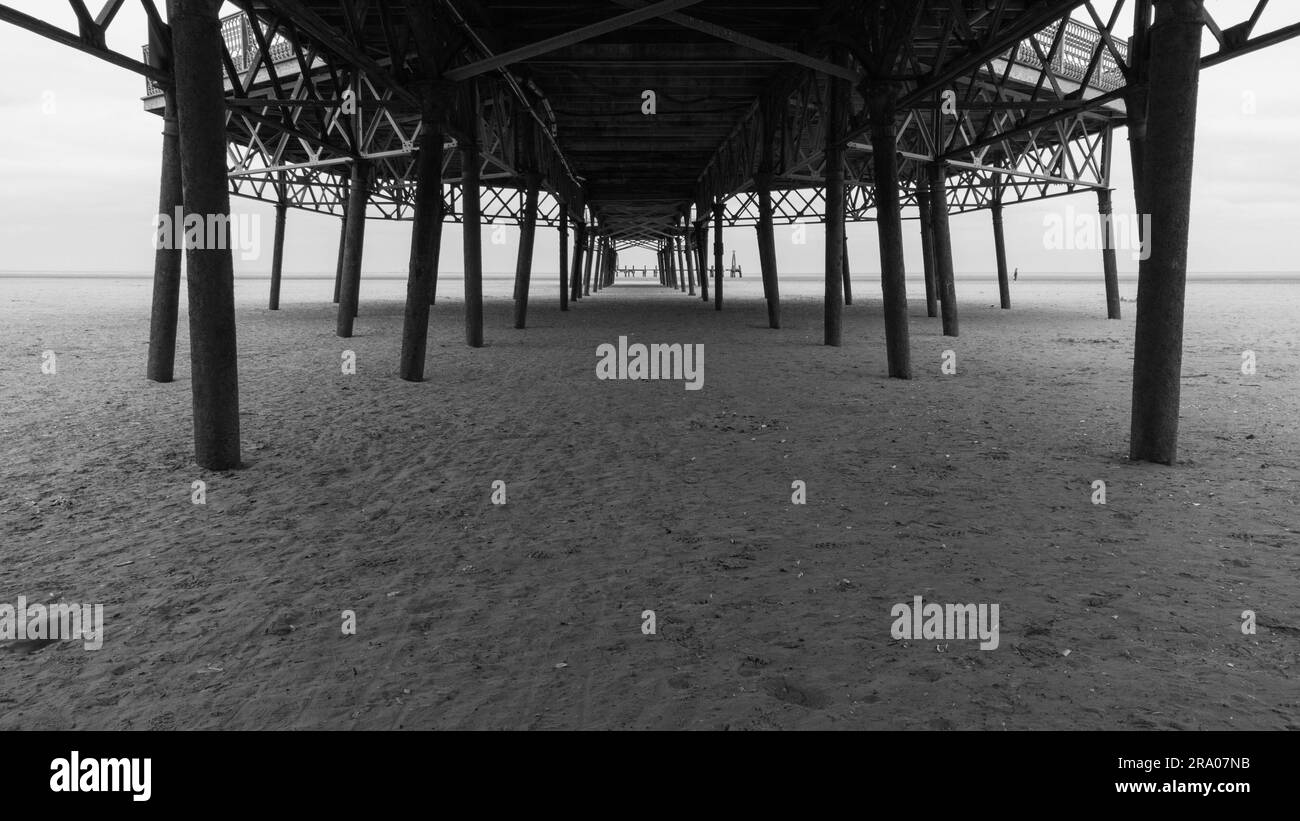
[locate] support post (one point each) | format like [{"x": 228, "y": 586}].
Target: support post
[
  {"x": 579, "y": 249},
  {"x": 1175, "y": 56},
  {"x": 1110, "y": 268},
  {"x": 527, "y": 235},
  {"x": 167, "y": 256},
  {"x": 889, "y": 222},
  {"x": 473, "y": 242},
  {"x": 690, "y": 254},
  {"x": 358, "y": 193},
  {"x": 277, "y": 255},
  {"x": 702, "y": 257},
  {"x": 942, "y": 243},
  {"x": 343, "y": 247},
  {"x": 591, "y": 258},
  {"x": 767, "y": 249},
  {"x": 837, "y": 106},
  {"x": 564, "y": 256},
  {"x": 1000, "y": 250},
  {"x": 425, "y": 238},
  {"x": 848, "y": 275},
  {"x": 718, "y": 216},
  {"x": 200, "y": 114},
  {"x": 927, "y": 247}
]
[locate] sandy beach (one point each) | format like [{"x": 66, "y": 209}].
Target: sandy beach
[{"x": 365, "y": 493}]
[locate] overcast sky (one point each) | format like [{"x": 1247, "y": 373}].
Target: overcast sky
[{"x": 79, "y": 177}]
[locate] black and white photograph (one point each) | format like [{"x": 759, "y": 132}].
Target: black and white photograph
[{"x": 928, "y": 368}]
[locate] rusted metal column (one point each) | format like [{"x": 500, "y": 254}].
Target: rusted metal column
[
  {"x": 1110, "y": 268},
  {"x": 343, "y": 246},
  {"x": 425, "y": 236},
  {"x": 579, "y": 249},
  {"x": 889, "y": 223},
  {"x": 942, "y": 244},
  {"x": 167, "y": 255},
  {"x": 1162, "y": 277},
  {"x": 358, "y": 194},
  {"x": 593, "y": 275},
  {"x": 473, "y": 242},
  {"x": 591, "y": 258},
  {"x": 564, "y": 256},
  {"x": 527, "y": 235},
  {"x": 702, "y": 256},
  {"x": 767, "y": 249},
  {"x": 836, "y": 114},
  {"x": 718, "y": 216},
  {"x": 691, "y": 256},
  {"x": 277, "y": 255},
  {"x": 1136, "y": 104},
  {"x": 200, "y": 116},
  {"x": 848, "y": 276},
  {"x": 927, "y": 247},
  {"x": 1000, "y": 250}
]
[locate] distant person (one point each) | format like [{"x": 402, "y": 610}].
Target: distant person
[{"x": 1016, "y": 275}]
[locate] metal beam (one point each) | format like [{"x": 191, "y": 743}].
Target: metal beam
[
  {"x": 761, "y": 46},
  {"x": 560, "y": 41}
]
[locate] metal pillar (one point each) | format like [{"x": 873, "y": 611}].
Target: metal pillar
[
  {"x": 717, "y": 254},
  {"x": 579, "y": 249},
  {"x": 425, "y": 238},
  {"x": 889, "y": 223},
  {"x": 343, "y": 246},
  {"x": 942, "y": 244},
  {"x": 358, "y": 193},
  {"x": 167, "y": 256},
  {"x": 277, "y": 255},
  {"x": 200, "y": 114},
  {"x": 927, "y": 247},
  {"x": 1110, "y": 268},
  {"x": 564, "y": 256},
  {"x": 473, "y": 232},
  {"x": 527, "y": 235},
  {"x": 836, "y": 116},
  {"x": 1000, "y": 249},
  {"x": 848, "y": 276},
  {"x": 767, "y": 249},
  {"x": 1175, "y": 54}
]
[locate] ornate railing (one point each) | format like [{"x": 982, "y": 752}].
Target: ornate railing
[
  {"x": 242, "y": 44},
  {"x": 1072, "y": 59}
]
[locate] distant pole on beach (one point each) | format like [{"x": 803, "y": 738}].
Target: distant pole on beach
[
  {"x": 201, "y": 113},
  {"x": 1175, "y": 55}
]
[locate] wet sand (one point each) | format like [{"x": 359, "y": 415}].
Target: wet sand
[{"x": 365, "y": 493}]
